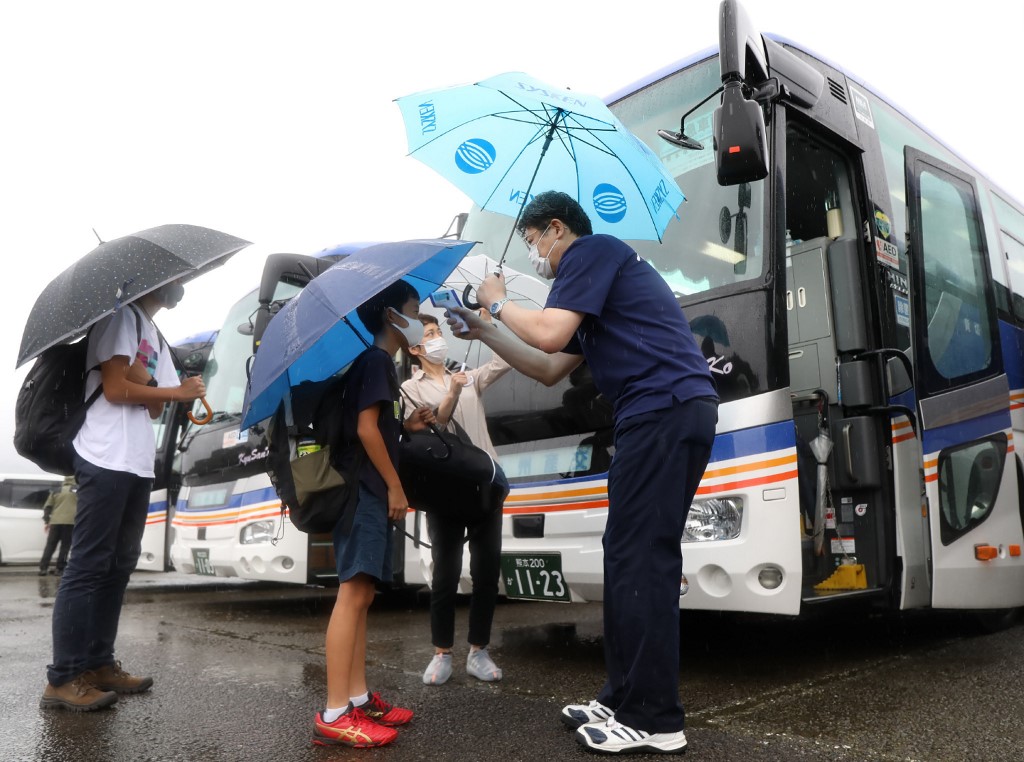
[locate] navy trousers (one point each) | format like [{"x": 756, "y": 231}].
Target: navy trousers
[
  {"x": 658, "y": 462},
  {"x": 105, "y": 547}
]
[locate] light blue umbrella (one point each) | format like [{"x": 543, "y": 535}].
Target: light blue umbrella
[
  {"x": 503, "y": 138},
  {"x": 318, "y": 333}
]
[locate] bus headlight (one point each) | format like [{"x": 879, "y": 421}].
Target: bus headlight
[
  {"x": 257, "y": 532},
  {"x": 717, "y": 519}
]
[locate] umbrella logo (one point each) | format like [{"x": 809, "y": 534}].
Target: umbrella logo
[
  {"x": 609, "y": 203},
  {"x": 475, "y": 156}
]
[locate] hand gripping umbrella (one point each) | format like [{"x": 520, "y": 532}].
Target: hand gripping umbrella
[
  {"x": 118, "y": 272},
  {"x": 318, "y": 333},
  {"x": 500, "y": 138}
]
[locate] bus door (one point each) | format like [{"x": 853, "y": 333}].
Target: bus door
[
  {"x": 963, "y": 394},
  {"x": 848, "y": 537},
  {"x": 156, "y": 541}
]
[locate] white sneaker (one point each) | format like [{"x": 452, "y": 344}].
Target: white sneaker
[
  {"x": 480, "y": 665},
  {"x": 613, "y": 737},
  {"x": 439, "y": 670},
  {"x": 575, "y": 715}
]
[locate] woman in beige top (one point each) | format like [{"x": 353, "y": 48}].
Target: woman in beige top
[{"x": 456, "y": 397}]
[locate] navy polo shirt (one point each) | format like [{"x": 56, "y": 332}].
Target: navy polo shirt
[{"x": 634, "y": 335}]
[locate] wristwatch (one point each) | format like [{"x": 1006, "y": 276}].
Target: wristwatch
[{"x": 496, "y": 308}]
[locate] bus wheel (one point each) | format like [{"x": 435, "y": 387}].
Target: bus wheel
[{"x": 996, "y": 620}]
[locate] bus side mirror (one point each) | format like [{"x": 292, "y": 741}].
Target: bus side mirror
[{"x": 741, "y": 150}]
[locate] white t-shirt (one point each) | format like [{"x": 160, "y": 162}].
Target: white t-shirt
[{"x": 119, "y": 437}]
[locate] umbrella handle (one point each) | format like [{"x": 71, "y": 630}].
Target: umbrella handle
[
  {"x": 466, "y": 301},
  {"x": 209, "y": 414}
]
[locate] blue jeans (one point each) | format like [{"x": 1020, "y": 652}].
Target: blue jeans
[
  {"x": 105, "y": 546},
  {"x": 658, "y": 463}
]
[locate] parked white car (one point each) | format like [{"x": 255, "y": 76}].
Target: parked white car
[{"x": 21, "y": 517}]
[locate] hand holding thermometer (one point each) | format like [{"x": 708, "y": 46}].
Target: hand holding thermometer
[{"x": 445, "y": 299}]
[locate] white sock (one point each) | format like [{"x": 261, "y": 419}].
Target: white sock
[
  {"x": 330, "y": 715},
  {"x": 360, "y": 700}
]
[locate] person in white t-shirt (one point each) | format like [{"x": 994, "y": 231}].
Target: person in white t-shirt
[
  {"x": 456, "y": 398},
  {"x": 115, "y": 453}
]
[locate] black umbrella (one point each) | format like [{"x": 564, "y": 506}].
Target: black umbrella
[{"x": 118, "y": 272}]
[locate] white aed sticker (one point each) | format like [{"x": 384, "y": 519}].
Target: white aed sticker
[
  {"x": 830, "y": 518},
  {"x": 887, "y": 253}
]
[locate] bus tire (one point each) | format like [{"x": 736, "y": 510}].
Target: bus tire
[{"x": 996, "y": 620}]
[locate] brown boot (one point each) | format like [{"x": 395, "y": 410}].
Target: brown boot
[
  {"x": 113, "y": 678},
  {"x": 77, "y": 696}
]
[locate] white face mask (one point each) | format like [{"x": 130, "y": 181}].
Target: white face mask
[
  {"x": 413, "y": 332},
  {"x": 435, "y": 350},
  {"x": 541, "y": 264}
]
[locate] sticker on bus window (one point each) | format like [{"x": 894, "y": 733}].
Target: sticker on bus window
[
  {"x": 843, "y": 545},
  {"x": 887, "y": 253},
  {"x": 862, "y": 107},
  {"x": 901, "y": 306},
  {"x": 883, "y": 226}
]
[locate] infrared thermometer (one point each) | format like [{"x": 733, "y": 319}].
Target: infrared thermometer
[{"x": 445, "y": 299}]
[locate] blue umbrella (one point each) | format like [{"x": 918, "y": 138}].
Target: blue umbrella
[
  {"x": 498, "y": 139},
  {"x": 318, "y": 332}
]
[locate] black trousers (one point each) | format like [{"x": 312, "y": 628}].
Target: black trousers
[
  {"x": 58, "y": 533},
  {"x": 446, "y": 541},
  {"x": 658, "y": 463}
]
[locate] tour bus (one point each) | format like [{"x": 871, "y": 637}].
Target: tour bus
[{"x": 858, "y": 291}]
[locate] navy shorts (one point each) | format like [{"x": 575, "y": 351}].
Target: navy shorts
[{"x": 369, "y": 546}]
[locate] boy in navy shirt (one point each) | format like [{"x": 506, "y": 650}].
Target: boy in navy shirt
[
  {"x": 611, "y": 308},
  {"x": 363, "y": 542}
]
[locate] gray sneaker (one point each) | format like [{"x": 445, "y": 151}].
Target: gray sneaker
[
  {"x": 480, "y": 665},
  {"x": 439, "y": 670}
]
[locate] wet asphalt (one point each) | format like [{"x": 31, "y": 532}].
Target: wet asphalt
[{"x": 239, "y": 672}]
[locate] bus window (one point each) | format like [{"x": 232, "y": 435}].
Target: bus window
[
  {"x": 957, "y": 315},
  {"x": 969, "y": 479},
  {"x": 1011, "y": 225},
  {"x": 718, "y": 239}
]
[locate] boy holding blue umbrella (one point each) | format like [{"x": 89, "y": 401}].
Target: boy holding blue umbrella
[{"x": 363, "y": 542}]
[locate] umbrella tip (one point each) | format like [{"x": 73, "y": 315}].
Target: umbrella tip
[{"x": 97, "y": 236}]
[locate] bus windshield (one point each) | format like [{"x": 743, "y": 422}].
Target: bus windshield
[
  {"x": 225, "y": 371},
  {"x": 717, "y": 239}
]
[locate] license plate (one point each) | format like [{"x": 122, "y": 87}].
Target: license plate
[
  {"x": 534, "y": 576},
  {"x": 201, "y": 559}
]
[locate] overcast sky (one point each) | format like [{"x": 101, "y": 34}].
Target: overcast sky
[{"x": 274, "y": 121}]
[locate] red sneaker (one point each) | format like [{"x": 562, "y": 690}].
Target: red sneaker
[
  {"x": 353, "y": 728},
  {"x": 383, "y": 713}
]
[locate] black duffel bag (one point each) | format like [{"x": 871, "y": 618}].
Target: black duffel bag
[{"x": 448, "y": 476}]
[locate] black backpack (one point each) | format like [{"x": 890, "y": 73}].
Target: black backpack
[{"x": 51, "y": 406}]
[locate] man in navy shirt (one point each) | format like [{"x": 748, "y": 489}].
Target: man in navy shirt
[{"x": 611, "y": 308}]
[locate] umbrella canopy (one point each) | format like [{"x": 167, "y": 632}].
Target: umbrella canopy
[
  {"x": 118, "y": 272},
  {"x": 522, "y": 288},
  {"x": 498, "y": 139},
  {"x": 318, "y": 332},
  {"x": 527, "y": 290}
]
